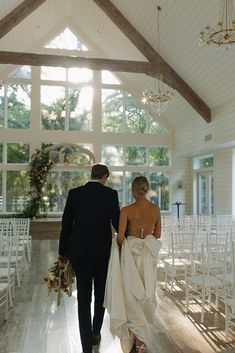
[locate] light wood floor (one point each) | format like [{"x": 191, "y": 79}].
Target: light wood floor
[{"x": 36, "y": 325}]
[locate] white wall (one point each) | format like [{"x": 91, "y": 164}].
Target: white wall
[
  {"x": 223, "y": 177},
  {"x": 181, "y": 171}
]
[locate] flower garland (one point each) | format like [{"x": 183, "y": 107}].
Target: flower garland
[{"x": 39, "y": 167}]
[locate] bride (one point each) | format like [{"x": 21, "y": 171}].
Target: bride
[{"x": 130, "y": 288}]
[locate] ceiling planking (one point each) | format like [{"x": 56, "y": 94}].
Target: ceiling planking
[
  {"x": 169, "y": 76},
  {"x": 17, "y": 15},
  {"x": 209, "y": 73}
]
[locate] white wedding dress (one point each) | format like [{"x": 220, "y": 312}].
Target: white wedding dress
[{"x": 130, "y": 289}]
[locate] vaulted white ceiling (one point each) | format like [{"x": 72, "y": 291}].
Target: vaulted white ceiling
[{"x": 210, "y": 73}]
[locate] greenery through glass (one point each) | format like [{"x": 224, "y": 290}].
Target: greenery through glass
[
  {"x": 115, "y": 181},
  {"x": 57, "y": 186},
  {"x": 52, "y": 107},
  {"x": 121, "y": 112},
  {"x": 17, "y": 191},
  {"x": 159, "y": 190},
  {"x": 18, "y": 106},
  {"x": 80, "y": 109},
  {"x": 112, "y": 155},
  {"x": 17, "y": 153},
  {"x": 159, "y": 156},
  {"x": 136, "y": 155}
]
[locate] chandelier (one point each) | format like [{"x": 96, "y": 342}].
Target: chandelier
[
  {"x": 159, "y": 96},
  {"x": 223, "y": 35}
]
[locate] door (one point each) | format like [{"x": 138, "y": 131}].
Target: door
[{"x": 205, "y": 188}]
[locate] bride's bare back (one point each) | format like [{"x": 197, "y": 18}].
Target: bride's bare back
[{"x": 140, "y": 218}]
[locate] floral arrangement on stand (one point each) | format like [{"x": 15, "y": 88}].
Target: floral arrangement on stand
[
  {"x": 39, "y": 167},
  {"x": 60, "y": 279}
]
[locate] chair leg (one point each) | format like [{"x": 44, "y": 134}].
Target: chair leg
[
  {"x": 203, "y": 307},
  {"x": 227, "y": 318},
  {"x": 10, "y": 297},
  {"x": 6, "y": 306},
  {"x": 187, "y": 297}
]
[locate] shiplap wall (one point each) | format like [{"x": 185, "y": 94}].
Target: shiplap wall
[
  {"x": 223, "y": 176},
  {"x": 181, "y": 171}
]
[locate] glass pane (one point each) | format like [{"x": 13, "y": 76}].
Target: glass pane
[
  {"x": 115, "y": 181},
  {"x": 159, "y": 190},
  {"x": 135, "y": 155},
  {"x": 17, "y": 153},
  {"x": 112, "y": 110},
  {"x": 53, "y": 73},
  {"x": 2, "y": 101},
  {"x": 1, "y": 152},
  {"x": 136, "y": 118},
  {"x": 159, "y": 156},
  {"x": 17, "y": 191},
  {"x": 66, "y": 40},
  {"x": 112, "y": 155},
  {"x": 202, "y": 195},
  {"x": 1, "y": 200},
  {"x": 206, "y": 162},
  {"x": 79, "y": 75},
  {"x": 23, "y": 71},
  {"x": 130, "y": 176},
  {"x": 52, "y": 108},
  {"x": 80, "y": 107},
  {"x": 211, "y": 178},
  {"x": 155, "y": 128},
  {"x": 108, "y": 78},
  {"x": 19, "y": 106}
]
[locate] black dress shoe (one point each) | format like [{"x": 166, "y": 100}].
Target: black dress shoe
[{"x": 96, "y": 339}]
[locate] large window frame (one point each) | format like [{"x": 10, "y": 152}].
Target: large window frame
[{"x": 35, "y": 136}]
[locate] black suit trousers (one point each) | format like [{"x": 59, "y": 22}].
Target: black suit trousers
[{"x": 90, "y": 273}]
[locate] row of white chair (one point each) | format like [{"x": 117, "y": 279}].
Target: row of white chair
[
  {"x": 15, "y": 251},
  {"x": 204, "y": 263}
]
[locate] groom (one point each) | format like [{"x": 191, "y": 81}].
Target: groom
[{"x": 85, "y": 239}]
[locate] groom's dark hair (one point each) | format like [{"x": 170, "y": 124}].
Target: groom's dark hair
[{"x": 99, "y": 170}]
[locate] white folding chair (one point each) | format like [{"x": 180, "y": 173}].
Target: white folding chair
[
  {"x": 181, "y": 251},
  {"x": 200, "y": 281},
  {"x": 5, "y": 249},
  {"x": 230, "y": 298},
  {"x": 7, "y": 274}
]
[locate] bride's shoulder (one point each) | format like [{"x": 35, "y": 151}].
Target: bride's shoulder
[{"x": 127, "y": 208}]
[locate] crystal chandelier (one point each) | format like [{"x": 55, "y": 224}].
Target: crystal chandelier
[
  {"x": 223, "y": 35},
  {"x": 159, "y": 96}
]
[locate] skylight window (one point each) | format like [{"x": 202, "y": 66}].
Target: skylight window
[{"x": 66, "y": 40}]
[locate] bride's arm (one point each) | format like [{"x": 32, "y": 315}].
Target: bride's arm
[
  {"x": 158, "y": 226},
  {"x": 122, "y": 226}
]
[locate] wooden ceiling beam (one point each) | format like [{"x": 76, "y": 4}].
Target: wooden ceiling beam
[
  {"x": 18, "y": 58},
  {"x": 17, "y": 15},
  {"x": 170, "y": 77}
]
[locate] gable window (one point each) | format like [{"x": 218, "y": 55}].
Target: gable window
[{"x": 66, "y": 40}]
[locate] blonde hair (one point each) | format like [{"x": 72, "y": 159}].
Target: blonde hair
[{"x": 140, "y": 185}]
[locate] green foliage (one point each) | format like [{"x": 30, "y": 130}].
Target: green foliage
[
  {"x": 18, "y": 115},
  {"x": 17, "y": 153},
  {"x": 39, "y": 167}
]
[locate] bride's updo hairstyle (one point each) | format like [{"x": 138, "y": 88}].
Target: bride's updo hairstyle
[{"x": 140, "y": 185}]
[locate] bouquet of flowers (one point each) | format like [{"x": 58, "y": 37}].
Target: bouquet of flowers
[{"x": 60, "y": 278}]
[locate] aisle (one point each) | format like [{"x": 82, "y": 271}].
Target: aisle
[{"x": 36, "y": 325}]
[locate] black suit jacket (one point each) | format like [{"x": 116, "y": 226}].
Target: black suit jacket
[{"x": 86, "y": 223}]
